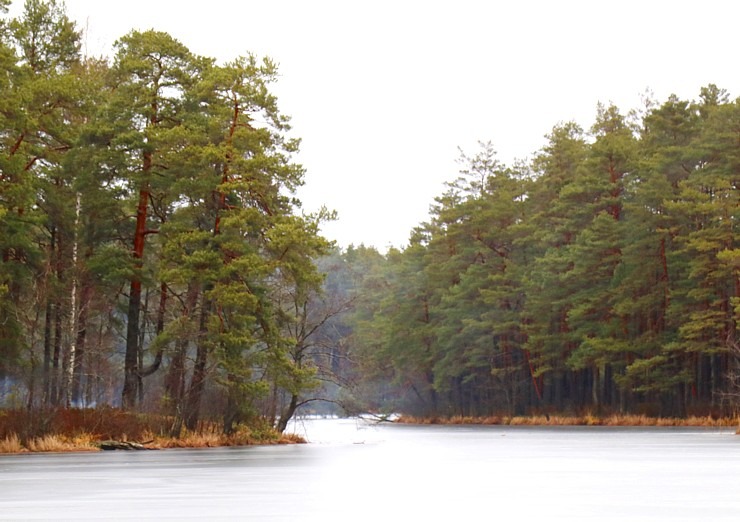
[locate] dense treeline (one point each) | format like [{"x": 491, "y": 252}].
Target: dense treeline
[
  {"x": 153, "y": 254},
  {"x": 601, "y": 276},
  {"x": 149, "y": 231}
]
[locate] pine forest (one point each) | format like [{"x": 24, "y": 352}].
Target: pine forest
[{"x": 154, "y": 256}]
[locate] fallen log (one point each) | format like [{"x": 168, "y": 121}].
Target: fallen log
[{"x": 108, "y": 445}]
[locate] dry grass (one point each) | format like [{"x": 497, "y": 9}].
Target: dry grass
[
  {"x": 61, "y": 430},
  {"x": 554, "y": 420},
  {"x": 11, "y": 444},
  {"x": 190, "y": 440},
  {"x": 582, "y": 420},
  {"x": 213, "y": 439},
  {"x": 60, "y": 443}
]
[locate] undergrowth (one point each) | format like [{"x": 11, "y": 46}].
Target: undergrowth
[
  {"x": 576, "y": 420},
  {"x": 65, "y": 430}
]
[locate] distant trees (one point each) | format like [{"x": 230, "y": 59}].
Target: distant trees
[{"x": 602, "y": 276}]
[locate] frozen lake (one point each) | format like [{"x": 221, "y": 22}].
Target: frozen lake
[{"x": 353, "y": 471}]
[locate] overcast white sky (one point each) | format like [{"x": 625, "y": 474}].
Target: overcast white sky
[{"x": 383, "y": 92}]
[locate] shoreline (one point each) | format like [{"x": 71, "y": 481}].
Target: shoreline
[
  {"x": 74, "y": 440},
  {"x": 616, "y": 420},
  {"x": 59, "y": 443},
  {"x": 88, "y": 430}
]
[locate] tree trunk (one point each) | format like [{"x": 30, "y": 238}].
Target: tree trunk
[
  {"x": 69, "y": 363},
  {"x": 198, "y": 380},
  {"x": 133, "y": 328},
  {"x": 48, "y": 319},
  {"x": 47, "y": 353},
  {"x": 77, "y": 370},
  {"x": 161, "y": 309},
  {"x": 287, "y": 414},
  {"x": 131, "y": 361},
  {"x": 232, "y": 415},
  {"x": 55, "y": 377},
  {"x": 174, "y": 380}
]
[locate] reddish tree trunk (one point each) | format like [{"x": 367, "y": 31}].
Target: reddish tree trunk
[{"x": 131, "y": 361}]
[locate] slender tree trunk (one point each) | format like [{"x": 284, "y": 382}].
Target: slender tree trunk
[
  {"x": 80, "y": 343},
  {"x": 58, "y": 331},
  {"x": 131, "y": 361},
  {"x": 47, "y": 353},
  {"x": 705, "y": 380},
  {"x": 272, "y": 405},
  {"x": 232, "y": 415},
  {"x": 143, "y": 321},
  {"x": 174, "y": 380},
  {"x": 48, "y": 319},
  {"x": 287, "y": 414},
  {"x": 595, "y": 387},
  {"x": 161, "y": 310},
  {"x": 198, "y": 380},
  {"x": 608, "y": 382},
  {"x": 69, "y": 363},
  {"x": 133, "y": 327}
]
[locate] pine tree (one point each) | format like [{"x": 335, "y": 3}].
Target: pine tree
[{"x": 152, "y": 73}]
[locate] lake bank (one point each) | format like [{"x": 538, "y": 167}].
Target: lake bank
[
  {"x": 60, "y": 443},
  {"x": 89, "y": 430},
  {"x": 578, "y": 420},
  {"x": 94, "y": 430}
]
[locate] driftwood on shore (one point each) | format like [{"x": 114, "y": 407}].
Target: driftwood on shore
[{"x": 122, "y": 445}]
